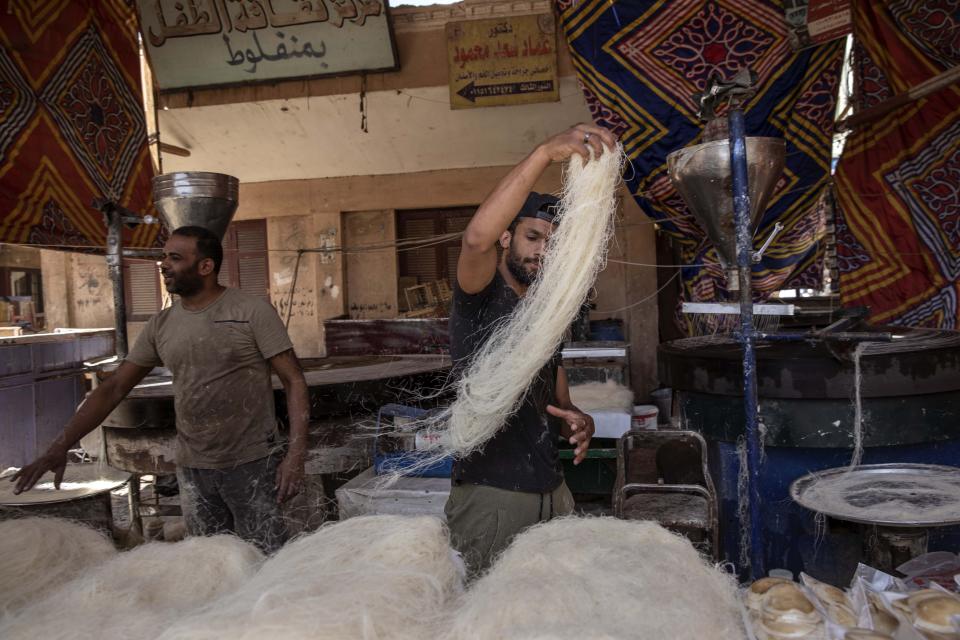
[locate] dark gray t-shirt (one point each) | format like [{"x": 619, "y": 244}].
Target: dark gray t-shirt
[{"x": 522, "y": 456}]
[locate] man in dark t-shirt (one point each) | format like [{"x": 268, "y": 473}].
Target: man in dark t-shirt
[{"x": 516, "y": 480}]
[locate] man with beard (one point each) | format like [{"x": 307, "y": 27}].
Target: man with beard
[
  {"x": 220, "y": 345},
  {"x": 516, "y": 480}
]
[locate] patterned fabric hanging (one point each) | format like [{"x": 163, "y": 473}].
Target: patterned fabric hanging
[
  {"x": 898, "y": 181},
  {"x": 640, "y": 63},
  {"x": 72, "y": 126}
]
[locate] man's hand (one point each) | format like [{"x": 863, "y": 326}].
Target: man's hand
[
  {"x": 579, "y": 139},
  {"x": 290, "y": 472},
  {"x": 289, "y": 480},
  {"x": 55, "y": 459},
  {"x": 90, "y": 414},
  {"x": 579, "y": 430}
]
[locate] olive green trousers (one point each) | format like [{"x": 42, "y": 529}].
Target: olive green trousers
[{"x": 483, "y": 520}]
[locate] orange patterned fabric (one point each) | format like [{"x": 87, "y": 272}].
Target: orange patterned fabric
[
  {"x": 898, "y": 182},
  {"x": 72, "y": 126}
]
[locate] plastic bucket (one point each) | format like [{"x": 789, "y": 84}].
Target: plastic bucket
[{"x": 644, "y": 417}]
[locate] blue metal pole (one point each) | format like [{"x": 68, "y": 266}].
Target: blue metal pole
[{"x": 741, "y": 217}]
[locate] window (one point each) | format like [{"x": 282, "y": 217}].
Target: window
[
  {"x": 141, "y": 289},
  {"x": 23, "y": 287},
  {"x": 245, "y": 262},
  {"x": 438, "y": 261}
]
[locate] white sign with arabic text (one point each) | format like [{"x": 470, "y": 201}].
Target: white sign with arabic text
[{"x": 200, "y": 43}]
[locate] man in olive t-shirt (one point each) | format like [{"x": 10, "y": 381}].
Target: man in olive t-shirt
[
  {"x": 220, "y": 345},
  {"x": 222, "y": 392}
]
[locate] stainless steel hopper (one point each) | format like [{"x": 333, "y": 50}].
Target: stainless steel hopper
[
  {"x": 701, "y": 174},
  {"x": 196, "y": 198}
]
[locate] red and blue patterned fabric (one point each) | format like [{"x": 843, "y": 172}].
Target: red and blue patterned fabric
[
  {"x": 72, "y": 126},
  {"x": 640, "y": 62},
  {"x": 898, "y": 181}
]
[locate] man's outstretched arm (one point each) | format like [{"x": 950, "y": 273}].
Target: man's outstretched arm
[{"x": 88, "y": 417}]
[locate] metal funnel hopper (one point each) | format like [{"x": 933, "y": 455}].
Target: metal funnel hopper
[
  {"x": 196, "y": 198},
  {"x": 701, "y": 174}
]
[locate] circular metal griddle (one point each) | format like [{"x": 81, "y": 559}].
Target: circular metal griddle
[
  {"x": 79, "y": 481},
  {"x": 921, "y": 495}
]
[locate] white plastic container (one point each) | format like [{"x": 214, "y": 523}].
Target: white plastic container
[
  {"x": 644, "y": 417},
  {"x": 781, "y": 573}
]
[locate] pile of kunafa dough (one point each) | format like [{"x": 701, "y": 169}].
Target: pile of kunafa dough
[{"x": 780, "y": 609}]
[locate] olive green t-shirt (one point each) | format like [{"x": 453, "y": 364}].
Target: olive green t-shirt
[{"x": 222, "y": 392}]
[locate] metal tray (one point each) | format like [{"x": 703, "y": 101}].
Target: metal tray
[
  {"x": 79, "y": 481},
  {"x": 922, "y": 495}
]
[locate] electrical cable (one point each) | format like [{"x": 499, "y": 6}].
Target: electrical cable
[{"x": 642, "y": 300}]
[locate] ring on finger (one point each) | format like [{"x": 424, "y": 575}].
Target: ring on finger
[{"x": 586, "y": 138}]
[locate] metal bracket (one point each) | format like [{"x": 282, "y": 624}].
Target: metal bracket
[
  {"x": 736, "y": 91},
  {"x": 733, "y": 308},
  {"x": 127, "y": 217}
]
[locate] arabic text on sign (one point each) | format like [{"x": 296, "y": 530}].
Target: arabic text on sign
[
  {"x": 204, "y": 17},
  {"x": 255, "y": 57},
  {"x": 503, "y": 50}
]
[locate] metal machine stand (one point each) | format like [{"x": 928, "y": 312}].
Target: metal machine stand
[
  {"x": 741, "y": 218},
  {"x": 710, "y": 177},
  {"x": 689, "y": 169},
  {"x": 115, "y": 217}
]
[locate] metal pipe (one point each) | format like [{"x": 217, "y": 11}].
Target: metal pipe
[
  {"x": 115, "y": 271},
  {"x": 133, "y": 503},
  {"x": 744, "y": 234},
  {"x": 922, "y": 90},
  {"x": 143, "y": 253},
  {"x": 816, "y": 336}
]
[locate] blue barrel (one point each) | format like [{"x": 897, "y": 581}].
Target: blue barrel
[
  {"x": 791, "y": 537},
  {"x": 910, "y": 399}
]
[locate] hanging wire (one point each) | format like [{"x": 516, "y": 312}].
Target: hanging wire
[
  {"x": 412, "y": 244},
  {"x": 657, "y": 266},
  {"x": 293, "y": 288},
  {"x": 644, "y": 299}
]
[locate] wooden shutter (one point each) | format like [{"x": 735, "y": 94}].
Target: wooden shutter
[
  {"x": 439, "y": 261},
  {"x": 252, "y": 264},
  {"x": 246, "y": 265},
  {"x": 419, "y": 263},
  {"x": 141, "y": 281},
  {"x": 454, "y": 223}
]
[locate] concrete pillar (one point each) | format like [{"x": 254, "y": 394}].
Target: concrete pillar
[
  {"x": 371, "y": 274},
  {"x": 53, "y": 272},
  {"x": 318, "y": 293}
]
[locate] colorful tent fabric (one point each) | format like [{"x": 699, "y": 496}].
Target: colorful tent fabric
[
  {"x": 72, "y": 126},
  {"x": 640, "y": 63},
  {"x": 898, "y": 181}
]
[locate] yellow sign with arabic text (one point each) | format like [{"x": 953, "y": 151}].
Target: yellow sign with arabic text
[
  {"x": 201, "y": 43},
  {"x": 502, "y": 61}
]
